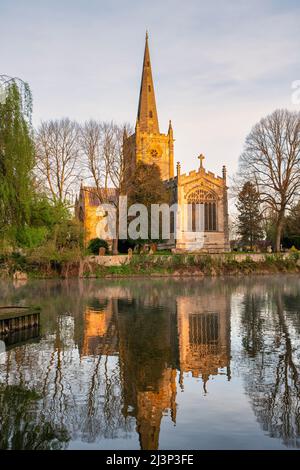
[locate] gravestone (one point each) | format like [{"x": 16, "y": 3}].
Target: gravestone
[{"x": 153, "y": 247}]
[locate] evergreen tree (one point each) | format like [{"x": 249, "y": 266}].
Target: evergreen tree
[
  {"x": 291, "y": 232},
  {"x": 16, "y": 160},
  {"x": 146, "y": 187},
  {"x": 249, "y": 218}
]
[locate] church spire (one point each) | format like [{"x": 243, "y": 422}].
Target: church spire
[{"x": 147, "y": 114}]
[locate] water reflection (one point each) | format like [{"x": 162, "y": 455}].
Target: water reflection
[
  {"x": 270, "y": 327},
  {"x": 114, "y": 358}
]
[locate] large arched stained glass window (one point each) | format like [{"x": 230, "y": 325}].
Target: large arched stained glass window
[{"x": 208, "y": 202}]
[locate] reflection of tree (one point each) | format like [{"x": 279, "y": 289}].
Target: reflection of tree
[
  {"x": 104, "y": 397},
  {"x": 22, "y": 427},
  {"x": 98, "y": 304},
  {"x": 291, "y": 302},
  {"x": 146, "y": 348},
  {"x": 82, "y": 395},
  {"x": 130, "y": 376},
  {"x": 252, "y": 323},
  {"x": 98, "y": 394},
  {"x": 272, "y": 380}
]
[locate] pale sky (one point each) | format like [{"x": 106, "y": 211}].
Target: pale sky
[{"x": 218, "y": 66}]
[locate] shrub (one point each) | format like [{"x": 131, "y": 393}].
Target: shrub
[
  {"x": 292, "y": 241},
  {"x": 31, "y": 237},
  {"x": 18, "y": 260},
  {"x": 68, "y": 235},
  {"x": 124, "y": 245},
  {"x": 95, "y": 244}
]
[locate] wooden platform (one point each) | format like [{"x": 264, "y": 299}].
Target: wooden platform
[{"x": 16, "y": 318}]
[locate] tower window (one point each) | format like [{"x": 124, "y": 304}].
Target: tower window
[
  {"x": 150, "y": 114},
  {"x": 149, "y": 88}
]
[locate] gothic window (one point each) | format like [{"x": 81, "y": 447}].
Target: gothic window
[
  {"x": 208, "y": 210},
  {"x": 204, "y": 334},
  {"x": 149, "y": 88},
  {"x": 172, "y": 222},
  {"x": 203, "y": 328},
  {"x": 150, "y": 114}
]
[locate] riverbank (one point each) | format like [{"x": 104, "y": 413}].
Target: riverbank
[{"x": 194, "y": 265}]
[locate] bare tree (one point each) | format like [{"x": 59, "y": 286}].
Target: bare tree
[
  {"x": 102, "y": 151},
  {"x": 116, "y": 164},
  {"x": 103, "y": 158},
  {"x": 93, "y": 159},
  {"x": 116, "y": 158},
  {"x": 271, "y": 159},
  {"x": 57, "y": 155}
]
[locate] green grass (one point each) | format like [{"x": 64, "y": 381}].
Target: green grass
[{"x": 143, "y": 265}]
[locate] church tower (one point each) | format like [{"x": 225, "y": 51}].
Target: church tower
[{"x": 147, "y": 144}]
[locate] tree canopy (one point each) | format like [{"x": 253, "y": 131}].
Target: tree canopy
[
  {"x": 16, "y": 162},
  {"x": 249, "y": 218},
  {"x": 146, "y": 186},
  {"x": 271, "y": 160}
]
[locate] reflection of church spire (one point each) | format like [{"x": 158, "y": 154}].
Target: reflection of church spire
[
  {"x": 205, "y": 378},
  {"x": 151, "y": 406}
]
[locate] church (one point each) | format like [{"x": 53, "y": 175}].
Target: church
[{"x": 197, "y": 189}]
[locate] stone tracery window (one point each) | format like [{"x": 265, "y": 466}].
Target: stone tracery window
[
  {"x": 203, "y": 328},
  {"x": 209, "y": 201},
  {"x": 201, "y": 195}
]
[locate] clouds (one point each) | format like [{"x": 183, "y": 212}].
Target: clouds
[{"x": 218, "y": 66}]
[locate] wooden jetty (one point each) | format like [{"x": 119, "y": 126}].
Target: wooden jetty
[{"x": 16, "y": 318}]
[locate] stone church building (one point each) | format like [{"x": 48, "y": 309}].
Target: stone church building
[{"x": 202, "y": 192}]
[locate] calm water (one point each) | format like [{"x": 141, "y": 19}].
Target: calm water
[{"x": 195, "y": 364}]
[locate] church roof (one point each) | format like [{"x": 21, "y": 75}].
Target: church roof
[
  {"x": 147, "y": 113},
  {"x": 97, "y": 197}
]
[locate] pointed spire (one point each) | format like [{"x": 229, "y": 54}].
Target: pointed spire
[{"x": 147, "y": 113}]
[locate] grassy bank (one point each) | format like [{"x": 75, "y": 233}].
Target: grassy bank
[
  {"x": 154, "y": 265},
  {"x": 199, "y": 265}
]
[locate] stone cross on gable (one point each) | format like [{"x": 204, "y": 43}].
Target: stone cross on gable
[{"x": 201, "y": 158}]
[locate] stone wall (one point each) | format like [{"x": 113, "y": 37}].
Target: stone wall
[{"x": 116, "y": 260}]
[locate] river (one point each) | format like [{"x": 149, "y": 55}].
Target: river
[{"x": 154, "y": 364}]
